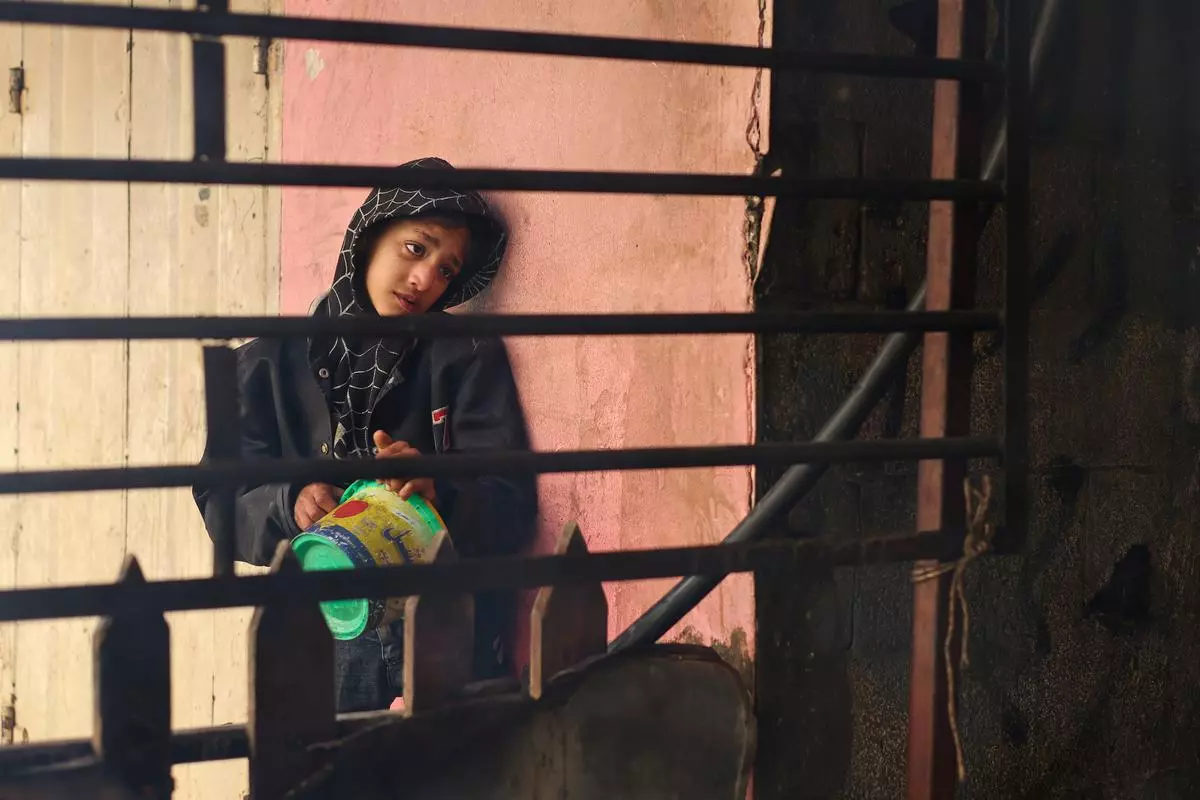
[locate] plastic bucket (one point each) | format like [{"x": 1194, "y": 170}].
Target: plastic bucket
[{"x": 371, "y": 527}]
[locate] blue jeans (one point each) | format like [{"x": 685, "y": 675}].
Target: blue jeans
[{"x": 369, "y": 671}]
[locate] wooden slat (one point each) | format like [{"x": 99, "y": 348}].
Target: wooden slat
[
  {"x": 439, "y": 634},
  {"x": 194, "y": 250},
  {"x": 173, "y": 268},
  {"x": 10, "y": 264},
  {"x": 131, "y": 732},
  {"x": 291, "y": 693},
  {"x": 946, "y": 371},
  {"x": 246, "y": 219},
  {"x": 568, "y": 623},
  {"x": 74, "y": 260}
]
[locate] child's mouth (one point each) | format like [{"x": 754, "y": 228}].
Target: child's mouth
[{"x": 407, "y": 302}]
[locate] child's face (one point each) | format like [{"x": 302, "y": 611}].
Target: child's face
[{"x": 413, "y": 263}]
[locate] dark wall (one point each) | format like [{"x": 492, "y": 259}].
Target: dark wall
[{"x": 1085, "y": 652}]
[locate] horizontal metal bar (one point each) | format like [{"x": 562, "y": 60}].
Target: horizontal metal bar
[
  {"x": 662, "y": 183},
  {"x": 449, "y": 326},
  {"x": 342, "y": 473},
  {"x": 230, "y": 741},
  {"x": 469, "y": 575},
  {"x": 188, "y": 746},
  {"x": 485, "y": 40}
]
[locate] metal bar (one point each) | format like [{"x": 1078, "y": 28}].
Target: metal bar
[
  {"x": 342, "y": 473},
  {"x": 945, "y": 396},
  {"x": 888, "y": 363},
  {"x": 208, "y": 99},
  {"x": 475, "y": 325},
  {"x": 468, "y": 575},
  {"x": 188, "y": 746},
  {"x": 208, "y": 87},
  {"x": 485, "y": 40},
  {"x": 1017, "y": 298},
  {"x": 222, "y": 417},
  {"x": 663, "y": 183}
]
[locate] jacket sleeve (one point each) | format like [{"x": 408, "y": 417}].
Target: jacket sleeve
[
  {"x": 488, "y": 515},
  {"x": 263, "y": 513}
]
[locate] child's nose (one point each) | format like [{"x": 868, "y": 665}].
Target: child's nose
[{"x": 421, "y": 277}]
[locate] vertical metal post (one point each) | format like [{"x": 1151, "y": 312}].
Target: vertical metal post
[
  {"x": 945, "y": 392},
  {"x": 222, "y": 414},
  {"x": 1016, "y": 279},
  {"x": 208, "y": 89}
]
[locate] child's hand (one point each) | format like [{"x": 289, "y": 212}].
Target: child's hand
[
  {"x": 314, "y": 501},
  {"x": 386, "y": 447}
]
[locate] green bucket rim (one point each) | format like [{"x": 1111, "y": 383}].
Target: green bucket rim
[{"x": 346, "y": 619}]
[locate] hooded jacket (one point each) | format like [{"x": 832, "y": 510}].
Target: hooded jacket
[{"x": 297, "y": 399}]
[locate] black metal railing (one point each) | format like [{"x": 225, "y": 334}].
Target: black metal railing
[{"x": 207, "y": 25}]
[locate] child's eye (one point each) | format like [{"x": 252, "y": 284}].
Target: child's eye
[
  {"x": 416, "y": 248},
  {"x": 447, "y": 274}
]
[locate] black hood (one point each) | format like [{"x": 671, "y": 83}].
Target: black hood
[
  {"x": 383, "y": 205},
  {"x": 355, "y": 372}
]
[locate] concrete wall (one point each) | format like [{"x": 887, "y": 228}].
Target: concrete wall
[
  {"x": 570, "y": 252},
  {"x": 1082, "y": 680}
]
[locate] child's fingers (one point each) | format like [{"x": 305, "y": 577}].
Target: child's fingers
[
  {"x": 398, "y": 450},
  {"x": 381, "y": 439},
  {"x": 324, "y": 498},
  {"x": 421, "y": 486},
  {"x": 305, "y": 512}
]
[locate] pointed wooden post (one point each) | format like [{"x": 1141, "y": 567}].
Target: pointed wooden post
[
  {"x": 291, "y": 689},
  {"x": 439, "y": 637},
  {"x": 568, "y": 623},
  {"x": 132, "y": 725}
]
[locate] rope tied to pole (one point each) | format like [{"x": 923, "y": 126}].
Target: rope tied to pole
[{"x": 978, "y": 540}]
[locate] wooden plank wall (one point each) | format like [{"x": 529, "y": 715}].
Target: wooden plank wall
[
  {"x": 114, "y": 250},
  {"x": 10, "y": 265}
]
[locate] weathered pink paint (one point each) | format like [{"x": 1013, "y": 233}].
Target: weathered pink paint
[{"x": 569, "y": 252}]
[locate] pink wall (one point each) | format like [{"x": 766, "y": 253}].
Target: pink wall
[{"x": 569, "y": 252}]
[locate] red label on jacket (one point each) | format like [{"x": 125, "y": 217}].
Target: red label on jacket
[{"x": 440, "y": 417}]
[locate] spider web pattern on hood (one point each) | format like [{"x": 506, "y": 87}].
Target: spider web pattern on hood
[{"x": 360, "y": 370}]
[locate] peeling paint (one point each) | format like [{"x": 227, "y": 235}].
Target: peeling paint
[
  {"x": 314, "y": 65},
  {"x": 735, "y": 651}
]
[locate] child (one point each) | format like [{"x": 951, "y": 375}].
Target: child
[{"x": 405, "y": 252}]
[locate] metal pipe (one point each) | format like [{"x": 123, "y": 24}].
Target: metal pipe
[
  {"x": 244, "y": 173},
  {"x": 489, "y": 40},
  {"x": 430, "y": 326},
  {"x": 1017, "y": 301},
  {"x": 771, "y": 511},
  {"x": 468, "y": 575},
  {"x": 342, "y": 473},
  {"x": 208, "y": 87}
]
